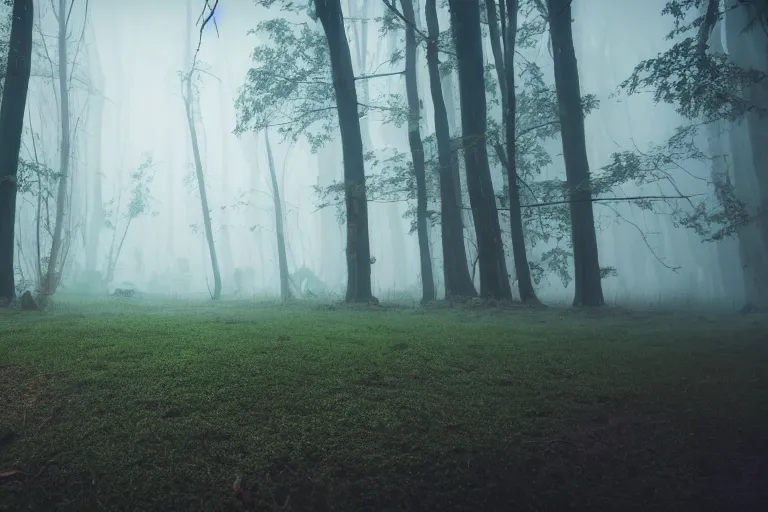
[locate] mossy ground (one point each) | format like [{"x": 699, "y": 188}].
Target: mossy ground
[{"x": 144, "y": 405}]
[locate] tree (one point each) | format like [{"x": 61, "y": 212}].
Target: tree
[
  {"x": 747, "y": 49},
  {"x": 519, "y": 254},
  {"x": 94, "y": 144},
  {"x": 710, "y": 88},
  {"x": 14, "y": 100},
  {"x": 189, "y": 99},
  {"x": 458, "y": 282},
  {"x": 53, "y": 273},
  {"x": 417, "y": 152},
  {"x": 465, "y": 20},
  {"x": 358, "y": 243},
  {"x": 138, "y": 205},
  {"x": 588, "y": 285},
  {"x": 285, "y": 289}
]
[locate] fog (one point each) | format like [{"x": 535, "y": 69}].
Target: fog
[{"x": 131, "y": 59}]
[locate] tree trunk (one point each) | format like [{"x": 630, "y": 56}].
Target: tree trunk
[
  {"x": 498, "y": 55},
  {"x": 206, "y": 211},
  {"x": 589, "y": 290},
  {"x": 96, "y": 220},
  {"x": 188, "y": 102},
  {"x": 465, "y": 19},
  {"x": 358, "y": 243},
  {"x": 523, "y": 271},
  {"x": 285, "y": 289},
  {"x": 14, "y": 102},
  {"x": 731, "y": 273},
  {"x": 52, "y": 277},
  {"x": 748, "y": 50},
  {"x": 417, "y": 154},
  {"x": 458, "y": 283}
]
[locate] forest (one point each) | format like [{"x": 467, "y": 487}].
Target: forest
[{"x": 383, "y": 255}]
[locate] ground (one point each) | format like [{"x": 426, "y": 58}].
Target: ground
[{"x": 140, "y": 405}]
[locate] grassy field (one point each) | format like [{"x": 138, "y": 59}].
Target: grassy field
[{"x": 134, "y": 405}]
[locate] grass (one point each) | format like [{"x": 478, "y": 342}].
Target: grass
[{"x": 135, "y": 405}]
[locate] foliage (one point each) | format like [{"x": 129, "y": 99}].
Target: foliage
[
  {"x": 714, "y": 217},
  {"x": 119, "y": 218},
  {"x": 699, "y": 86},
  {"x": 290, "y": 87},
  {"x": 704, "y": 87},
  {"x": 139, "y": 202}
]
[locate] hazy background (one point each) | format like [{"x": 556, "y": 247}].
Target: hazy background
[{"x": 139, "y": 48}]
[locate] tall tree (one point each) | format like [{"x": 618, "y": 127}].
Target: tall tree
[
  {"x": 458, "y": 282},
  {"x": 14, "y": 101},
  {"x": 465, "y": 20},
  {"x": 189, "y": 102},
  {"x": 417, "y": 153},
  {"x": 93, "y": 142},
  {"x": 358, "y": 242},
  {"x": 519, "y": 254},
  {"x": 285, "y": 289},
  {"x": 497, "y": 39},
  {"x": 587, "y": 279},
  {"x": 53, "y": 273},
  {"x": 747, "y": 48}
]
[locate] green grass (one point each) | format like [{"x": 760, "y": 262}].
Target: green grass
[{"x": 132, "y": 405}]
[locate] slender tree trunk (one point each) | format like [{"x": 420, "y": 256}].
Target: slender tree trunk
[
  {"x": 96, "y": 220},
  {"x": 465, "y": 19},
  {"x": 52, "y": 276},
  {"x": 285, "y": 288},
  {"x": 589, "y": 290},
  {"x": 228, "y": 258},
  {"x": 206, "y": 211},
  {"x": 458, "y": 282},
  {"x": 14, "y": 102},
  {"x": 417, "y": 153},
  {"x": 358, "y": 242},
  {"x": 522, "y": 270},
  {"x": 498, "y": 54},
  {"x": 188, "y": 107}
]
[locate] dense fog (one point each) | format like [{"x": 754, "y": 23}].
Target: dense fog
[{"x": 127, "y": 106}]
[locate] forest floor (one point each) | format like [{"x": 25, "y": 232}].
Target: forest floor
[{"x": 142, "y": 405}]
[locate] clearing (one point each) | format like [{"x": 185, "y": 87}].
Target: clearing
[{"x": 144, "y": 405}]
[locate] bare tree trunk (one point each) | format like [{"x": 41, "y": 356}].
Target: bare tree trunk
[
  {"x": 285, "y": 289},
  {"x": 587, "y": 281},
  {"x": 417, "y": 154},
  {"x": 458, "y": 282},
  {"x": 465, "y": 19},
  {"x": 14, "y": 102},
  {"x": 358, "y": 242},
  {"x": 522, "y": 270},
  {"x": 748, "y": 50},
  {"x": 96, "y": 220},
  {"x": 498, "y": 55},
  {"x": 188, "y": 102},
  {"x": 52, "y": 276}
]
